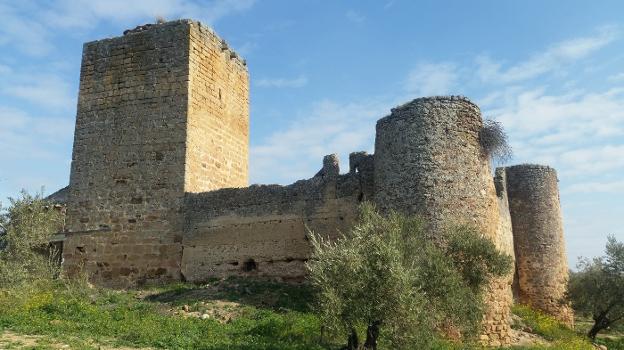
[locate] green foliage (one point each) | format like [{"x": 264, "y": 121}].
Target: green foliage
[
  {"x": 597, "y": 289},
  {"x": 387, "y": 271},
  {"x": 544, "y": 325},
  {"x": 269, "y": 316},
  {"x": 86, "y": 318},
  {"x": 26, "y": 227},
  {"x": 476, "y": 258}
]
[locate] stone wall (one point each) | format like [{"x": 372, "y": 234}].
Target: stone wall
[
  {"x": 262, "y": 230},
  {"x": 162, "y": 110},
  {"x": 127, "y": 174},
  {"x": 541, "y": 261},
  {"x": 218, "y": 116},
  {"x": 428, "y": 161}
]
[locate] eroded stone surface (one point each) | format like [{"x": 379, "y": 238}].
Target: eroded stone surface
[
  {"x": 428, "y": 161},
  {"x": 541, "y": 261}
]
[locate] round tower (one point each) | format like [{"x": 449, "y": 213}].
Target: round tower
[
  {"x": 429, "y": 161},
  {"x": 541, "y": 261}
]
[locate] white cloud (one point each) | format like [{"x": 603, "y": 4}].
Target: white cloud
[
  {"x": 87, "y": 13},
  {"x": 296, "y": 151},
  {"x": 246, "y": 48},
  {"x": 355, "y": 17},
  {"x": 23, "y": 136},
  {"x": 616, "y": 77},
  {"x": 298, "y": 82},
  {"x": 555, "y": 118},
  {"x": 48, "y": 91},
  {"x": 428, "y": 79},
  {"x": 579, "y": 133},
  {"x": 23, "y": 32},
  {"x": 594, "y": 187},
  {"x": 593, "y": 160},
  {"x": 4, "y": 69},
  {"x": 549, "y": 60},
  {"x": 30, "y": 27}
]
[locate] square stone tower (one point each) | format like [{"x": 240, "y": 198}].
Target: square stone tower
[{"x": 162, "y": 110}]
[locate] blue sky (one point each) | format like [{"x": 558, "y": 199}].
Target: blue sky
[{"x": 322, "y": 73}]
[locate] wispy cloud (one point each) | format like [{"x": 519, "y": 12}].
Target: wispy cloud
[
  {"x": 298, "y": 82},
  {"x": 596, "y": 187},
  {"x": 23, "y": 136},
  {"x": 492, "y": 71},
  {"x": 23, "y": 32},
  {"x": 29, "y": 28},
  {"x": 355, "y": 16},
  {"x": 246, "y": 48},
  {"x": 295, "y": 152},
  {"x": 616, "y": 77},
  {"x": 577, "y": 113},
  {"x": 86, "y": 13},
  {"x": 48, "y": 91},
  {"x": 432, "y": 79}
]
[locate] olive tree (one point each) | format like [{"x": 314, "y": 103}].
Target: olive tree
[
  {"x": 597, "y": 288},
  {"x": 26, "y": 227},
  {"x": 387, "y": 278}
]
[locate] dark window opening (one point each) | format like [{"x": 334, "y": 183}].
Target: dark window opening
[{"x": 250, "y": 265}]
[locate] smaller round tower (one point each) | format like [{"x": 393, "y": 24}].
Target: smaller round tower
[{"x": 541, "y": 261}]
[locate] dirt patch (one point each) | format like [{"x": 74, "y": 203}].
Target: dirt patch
[
  {"x": 10, "y": 340},
  {"x": 523, "y": 338},
  {"x": 219, "y": 310}
]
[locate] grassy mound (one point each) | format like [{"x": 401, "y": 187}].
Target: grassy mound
[
  {"x": 222, "y": 314},
  {"x": 86, "y": 318}
]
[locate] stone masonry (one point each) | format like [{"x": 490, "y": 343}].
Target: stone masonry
[
  {"x": 159, "y": 191},
  {"x": 162, "y": 111},
  {"x": 429, "y": 162},
  {"x": 541, "y": 262}
]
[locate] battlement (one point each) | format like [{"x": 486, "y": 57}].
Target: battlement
[{"x": 398, "y": 111}]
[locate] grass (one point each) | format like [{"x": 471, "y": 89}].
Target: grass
[
  {"x": 613, "y": 338},
  {"x": 241, "y": 314},
  {"x": 87, "y": 318}
]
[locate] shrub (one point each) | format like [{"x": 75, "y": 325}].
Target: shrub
[
  {"x": 386, "y": 277},
  {"x": 26, "y": 228}
]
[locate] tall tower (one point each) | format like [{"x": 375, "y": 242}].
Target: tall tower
[
  {"x": 162, "y": 110},
  {"x": 541, "y": 261},
  {"x": 428, "y": 161}
]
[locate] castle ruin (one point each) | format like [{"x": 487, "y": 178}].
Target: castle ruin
[{"x": 159, "y": 178}]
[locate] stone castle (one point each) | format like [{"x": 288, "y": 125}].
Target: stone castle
[{"x": 159, "y": 178}]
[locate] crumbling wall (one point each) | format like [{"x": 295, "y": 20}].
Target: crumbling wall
[
  {"x": 541, "y": 261},
  {"x": 262, "y": 230},
  {"x": 504, "y": 238},
  {"x": 428, "y": 161}
]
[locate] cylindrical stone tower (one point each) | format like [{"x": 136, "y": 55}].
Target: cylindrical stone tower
[
  {"x": 428, "y": 161},
  {"x": 541, "y": 261}
]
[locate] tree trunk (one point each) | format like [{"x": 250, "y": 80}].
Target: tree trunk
[
  {"x": 600, "y": 322},
  {"x": 352, "y": 342},
  {"x": 372, "y": 334}
]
